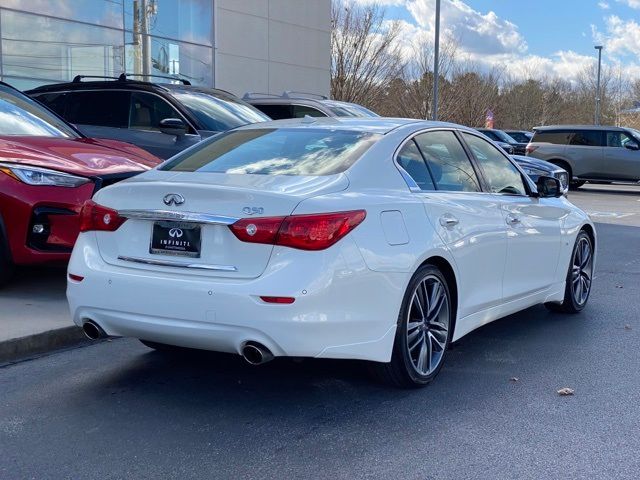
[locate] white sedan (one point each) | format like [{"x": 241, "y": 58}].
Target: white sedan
[{"x": 372, "y": 239}]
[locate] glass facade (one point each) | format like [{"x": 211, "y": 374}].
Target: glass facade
[{"x": 47, "y": 41}]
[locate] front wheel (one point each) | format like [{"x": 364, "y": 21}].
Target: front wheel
[
  {"x": 6, "y": 265},
  {"x": 424, "y": 331},
  {"x": 579, "y": 277}
]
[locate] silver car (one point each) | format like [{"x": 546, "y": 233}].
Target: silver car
[{"x": 589, "y": 153}]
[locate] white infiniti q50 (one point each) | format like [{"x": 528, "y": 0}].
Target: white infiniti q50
[{"x": 373, "y": 239}]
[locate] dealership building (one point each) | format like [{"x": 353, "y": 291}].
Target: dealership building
[{"x": 238, "y": 45}]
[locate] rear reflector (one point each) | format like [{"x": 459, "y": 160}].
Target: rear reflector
[
  {"x": 281, "y": 300},
  {"x": 75, "y": 278},
  {"x": 94, "y": 217},
  {"x": 304, "y": 232}
]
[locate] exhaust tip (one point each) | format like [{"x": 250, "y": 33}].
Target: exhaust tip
[
  {"x": 256, "y": 354},
  {"x": 92, "y": 330}
]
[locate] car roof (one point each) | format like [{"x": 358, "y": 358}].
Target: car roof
[
  {"x": 381, "y": 125},
  {"x": 577, "y": 127},
  {"x": 125, "y": 83}
]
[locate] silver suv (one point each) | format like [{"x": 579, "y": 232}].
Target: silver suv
[
  {"x": 300, "y": 104},
  {"x": 589, "y": 153}
]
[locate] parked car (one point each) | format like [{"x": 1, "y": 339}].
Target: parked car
[
  {"x": 298, "y": 105},
  {"x": 520, "y": 136},
  {"x": 589, "y": 153},
  {"x": 164, "y": 119},
  {"x": 371, "y": 238},
  {"x": 500, "y": 136},
  {"x": 47, "y": 170},
  {"x": 537, "y": 168}
]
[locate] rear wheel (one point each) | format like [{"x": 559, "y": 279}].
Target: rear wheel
[
  {"x": 579, "y": 277},
  {"x": 424, "y": 331},
  {"x": 576, "y": 184}
]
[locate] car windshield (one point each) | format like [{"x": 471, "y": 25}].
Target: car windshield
[
  {"x": 20, "y": 115},
  {"x": 636, "y": 134},
  {"x": 341, "y": 109},
  {"x": 276, "y": 151},
  {"x": 218, "y": 112}
]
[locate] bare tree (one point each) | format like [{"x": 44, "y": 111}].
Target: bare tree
[{"x": 365, "y": 52}]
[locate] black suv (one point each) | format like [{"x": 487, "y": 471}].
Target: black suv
[
  {"x": 299, "y": 105},
  {"x": 161, "y": 118},
  {"x": 519, "y": 148}
]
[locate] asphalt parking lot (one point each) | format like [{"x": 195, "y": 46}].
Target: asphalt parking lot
[{"x": 119, "y": 410}]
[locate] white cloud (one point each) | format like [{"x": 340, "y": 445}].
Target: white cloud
[
  {"x": 604, "y": 5},
  {"x": 622, "y": 37},
  {"x": 630, "y": 3}
]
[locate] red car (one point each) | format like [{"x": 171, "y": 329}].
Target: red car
[{"x": 47, "y": 170}]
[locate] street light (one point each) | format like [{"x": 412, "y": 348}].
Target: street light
[
  {"x": 436, "y": 62},
  {"x": 597, "y": 118}
]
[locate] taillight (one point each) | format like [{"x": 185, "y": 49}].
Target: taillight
[
  {"x": 94, "y": 217},
  {"x": 304, "y": 232},
  {"x": 531, "y": 148}
]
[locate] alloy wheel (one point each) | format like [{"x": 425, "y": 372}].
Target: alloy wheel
[
  {"x": 582, "y": 271},
  {"x": 427, "y": 325}
]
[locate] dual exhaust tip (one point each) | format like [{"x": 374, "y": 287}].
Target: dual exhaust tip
[{"x": 253, "y": 352}]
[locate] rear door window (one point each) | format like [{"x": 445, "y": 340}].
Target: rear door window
[
  {"x": 586, "y": 138},
  {"x": 448, "y": 163},
  {"x": 410, "y": 159},
  {"x": 558, "y": 137},
  {"x": 100, "y": 108},
  {"x": 275, "y": 151}
]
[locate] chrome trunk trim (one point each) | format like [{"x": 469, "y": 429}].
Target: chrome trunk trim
[
  {"x": 170, "y": 215},
  {"x": 170, "y": 263}
]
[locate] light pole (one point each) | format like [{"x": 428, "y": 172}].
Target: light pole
[
  {"x": 597, "y": 118},
  {"x": 436, "y": 64}
]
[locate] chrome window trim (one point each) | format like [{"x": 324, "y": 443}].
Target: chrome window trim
[
  {"x": 171, "y": 215},
  {"x": 169, "y": 263}
]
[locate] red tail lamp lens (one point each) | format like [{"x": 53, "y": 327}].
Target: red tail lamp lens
[
  {"x": 304, "y": 232},
  {"x": 75, "y": 278},
  {"x": 94, "y": 217}
]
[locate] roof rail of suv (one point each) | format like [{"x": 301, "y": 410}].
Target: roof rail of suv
[
  {"x": 123, "y": 77},
  {"x": 285, "y": 94}
]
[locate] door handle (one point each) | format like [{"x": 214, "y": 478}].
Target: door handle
[
  {"x": 512, "y": 220},
  {"x": 448, "y": 221}
]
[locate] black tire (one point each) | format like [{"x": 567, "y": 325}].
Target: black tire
[
  {"x": 6, "y": 265},
  {"x": 402, "y": 370},
  {"x": 570, "y": 302},
  {"x": 576, "y": 184}
]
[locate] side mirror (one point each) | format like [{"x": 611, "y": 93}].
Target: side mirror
[
  {"x": 631, "y": 145},
  {"x": 173, "y": 126},
  {"x": 548, "y": 187}
]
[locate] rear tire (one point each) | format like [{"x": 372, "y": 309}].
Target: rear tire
[
  {"x": 577, "y": 184},
  {"x": 579, "y": 277},
  {"x": 425, "y": 327}
]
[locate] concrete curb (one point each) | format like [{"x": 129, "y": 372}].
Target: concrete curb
[{"x": 20, "y": 348}]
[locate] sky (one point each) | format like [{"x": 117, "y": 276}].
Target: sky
[{"x": 530, "y": 38}]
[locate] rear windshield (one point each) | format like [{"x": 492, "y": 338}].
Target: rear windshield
[{"x": 275, "y": 151}]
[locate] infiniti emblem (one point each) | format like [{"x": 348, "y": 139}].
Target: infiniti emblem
[
  {"x": 175, "y": 232},
  {"x": 173, "y": 199}
]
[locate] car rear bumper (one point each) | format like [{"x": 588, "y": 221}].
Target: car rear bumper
[{"x": 341, "y": 310}]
